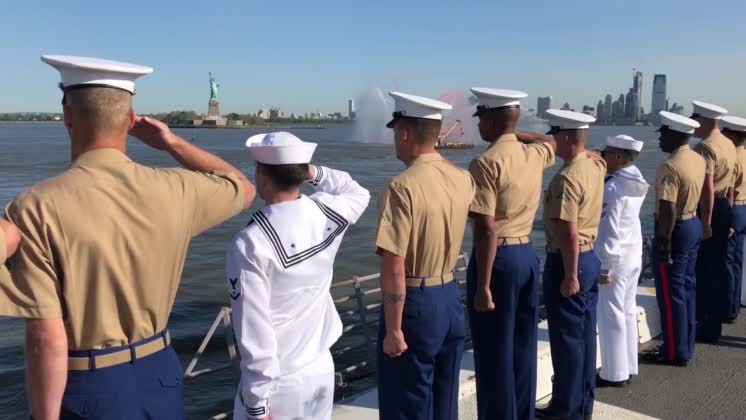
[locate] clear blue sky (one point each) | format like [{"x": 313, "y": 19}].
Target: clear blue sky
[{"x": 308, "y": 55}]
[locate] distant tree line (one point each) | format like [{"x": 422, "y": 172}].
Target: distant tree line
[{"x": 31, "y": 116}]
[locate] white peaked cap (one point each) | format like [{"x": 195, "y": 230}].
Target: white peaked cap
[
  {"x": 733, "y": 123},
  {"x": 708, "y": 110},
  {"x": 80, "y": 71},
  {"x": 280, "y": 148},
  {"x": 497, "y": 98},
  {"x": 412, "y": 106},
  {"x": 623, "y": 141},
  {"x": 568, "y": 120},
  {"x": 678, "y": 122}
]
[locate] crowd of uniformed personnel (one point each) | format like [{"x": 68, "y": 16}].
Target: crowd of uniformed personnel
[{"x": 97, "y": 253}]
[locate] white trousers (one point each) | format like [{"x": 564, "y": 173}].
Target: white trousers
[
  {"x": 306, "y": 394},
  {"x": 617, "y": 323}
]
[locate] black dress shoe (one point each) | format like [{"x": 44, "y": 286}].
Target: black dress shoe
[
  {"x": 603, "y": 383},
  {"x": 730, "y": 320},
  {"x": 546, "y": 413},
  {"x": 707, "y": 340},
  {"x": 660, "y": 359}
]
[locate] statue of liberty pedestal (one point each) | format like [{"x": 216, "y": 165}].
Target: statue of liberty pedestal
[{"x": 213, "y": 108}]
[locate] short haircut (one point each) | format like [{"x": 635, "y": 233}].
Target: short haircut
[
  {"x": 101, "y": 109},
  {"x": 426, "y": 130},
  {"x": 676, "y": 136},
  {"x": 286, "y": 177},
  {"x": 628, "y": 155}
]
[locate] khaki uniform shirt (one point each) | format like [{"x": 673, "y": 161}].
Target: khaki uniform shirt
[
  {"x": 740, "y": 190},
  {"x": 679, "y": 179},
  {"x": 575, "y": 195},
  {"x": 508, "y": 177},
  {"x": 103, "y": 245},
  {"x": 422, "y": 215},
  {"x": 720, "y": 156}
]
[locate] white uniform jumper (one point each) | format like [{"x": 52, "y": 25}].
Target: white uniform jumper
[
  {"x": 279, "y": 271},
  {"x": 619, "y": 247}
]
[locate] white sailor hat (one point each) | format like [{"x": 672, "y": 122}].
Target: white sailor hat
[
  {"x": 496, "y": 98},
  {"x": 623, "y": 141},
  {"x": 280, "y": 148},
  {"x": 703, "y": 109},
  {"x": 733, "y": 123},
  {"x": 78, "y": 72},
  {"x": 412, "y": 106},
  {"x": 560, "y": 119},
  {"x": 677, "y": 122}
]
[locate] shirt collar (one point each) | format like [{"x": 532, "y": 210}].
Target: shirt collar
[
  {"x": 99, "y": 156},
  {"x": 577, "y": 158},
  {"x": 506, "y": 137},
  {"x": 427, "y": 157},
  {"x": 680, "y": 148}
]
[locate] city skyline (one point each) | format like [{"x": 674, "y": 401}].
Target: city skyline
[{"x": 317, "y": 56}]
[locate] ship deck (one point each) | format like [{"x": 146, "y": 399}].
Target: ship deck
[{"x": 712, "y": 386}]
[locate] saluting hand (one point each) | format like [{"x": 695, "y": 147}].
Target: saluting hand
[
  {"x": 570, "y": 286},
  {"x": 152, "y": 132},
  {"x": 394, "y": 344},
  {"x": 483, "y": 301}
]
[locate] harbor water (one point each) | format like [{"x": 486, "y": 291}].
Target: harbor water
[{"x": 33, "y": 152}]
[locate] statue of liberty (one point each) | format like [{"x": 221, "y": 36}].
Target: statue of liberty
[{"x": 213, "y": 88}]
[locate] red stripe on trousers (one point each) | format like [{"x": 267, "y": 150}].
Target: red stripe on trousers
[{"x": 667, "y": 302}]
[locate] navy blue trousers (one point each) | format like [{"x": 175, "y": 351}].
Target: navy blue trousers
[
  {"x": 505, "y": 339},
  {"x": 676, "y": 290},
  {"x": 149, "y": 388},
  {"x": 735, "y": 260},
  {"x": 712, "y": 274},
  {"x": 572, "y": 335},
  {"x": 422, "y": 383}
]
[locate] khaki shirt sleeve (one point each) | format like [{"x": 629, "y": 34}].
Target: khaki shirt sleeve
[
  {"x": 209, "y": 198},
  {"x": 545, "y": 152},
  {"x": 485, "y": 180},
  {"x": 566, "y": 198},
  {"x": 34, "y": 289},
  {"x": 394, "y": 220},
  {"x": 709, "y": 155},
  {"x": 666, "y": 184}
]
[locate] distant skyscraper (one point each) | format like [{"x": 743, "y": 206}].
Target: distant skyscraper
[
  {"x": 566, "y": 106},
  {"x": 609, "y": 107},
  {"x": 600, "y": 111},
  {"x": 589, "y": 110},
  {"x": 676, "y": 108},
  {"x": 637, "y": 94},
  {"x": 542, "y": 104},
  {"x": 351, "y": 109},
  {"x": 629, "y": 105},
  {"x": 659, "y": 96}
]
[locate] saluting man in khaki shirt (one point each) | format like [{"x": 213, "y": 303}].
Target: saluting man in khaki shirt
[
  {"x": 714, "y": 280},
  {"x": 572, "y": 211},
  {"x": 103, "y": 249},
  {"x": 421, "y": 222},
  {"x": 504, "y": 272}
]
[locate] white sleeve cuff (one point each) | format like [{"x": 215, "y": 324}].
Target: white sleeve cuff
[
  {"x": 319, "y": 175},
  {"x": 258, "y": 411}
]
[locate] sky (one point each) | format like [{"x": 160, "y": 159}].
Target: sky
[{"x": 312, "y": 56}]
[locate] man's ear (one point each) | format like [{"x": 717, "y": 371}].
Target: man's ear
[
  {"x": 132, "y": 119},
  {"x": 67, "y": 116}
]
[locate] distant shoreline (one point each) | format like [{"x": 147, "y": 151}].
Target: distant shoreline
[
  {"x": 233, "y": 127},
  {"x": 31, "y": 122}
]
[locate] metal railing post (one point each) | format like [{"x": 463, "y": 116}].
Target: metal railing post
[
  {"x": 359, "y": 296},
  {"x": 231, "y": 343}
]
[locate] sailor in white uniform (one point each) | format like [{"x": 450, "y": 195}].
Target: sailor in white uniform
[
  {"x": 279, "y": 269},
  {"x": 619, "y": 247}
]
